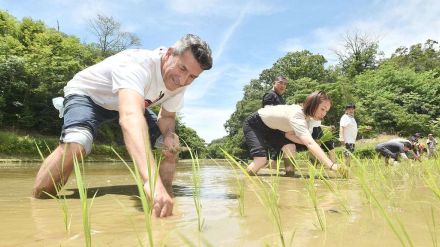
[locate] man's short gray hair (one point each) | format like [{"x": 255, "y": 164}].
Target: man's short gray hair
[{"x": 199, "y": 48}]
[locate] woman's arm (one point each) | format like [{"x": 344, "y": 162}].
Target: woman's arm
[
  {"x": 291, "y": 136},
  {"x": 316, "y": 150}
]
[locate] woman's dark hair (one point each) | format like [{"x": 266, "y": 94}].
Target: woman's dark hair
[{"x": 312, "y": 102}]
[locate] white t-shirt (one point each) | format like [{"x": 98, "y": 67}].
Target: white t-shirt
[
  {"x": 313, "y": 124},
  {"x": 286, "y": 118},
  {"x": 135, "y": 69},
  {"x": 349, "y": 125}
]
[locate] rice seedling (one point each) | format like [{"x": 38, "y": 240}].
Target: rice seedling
[
  {"x": 240, "y": 187},
  {"x": 132, "y": 223},
  {"x": 433, "y": 229},
  {"x": 86, "y": 205},
  {"x": 267, "y": 194},
  {"x": 190, "y": 243},
  {"x": 335, "y": 191},
  {"x": 431, "y": 181},
  {"x": 195, "y": 164},
  {"x": 311, "y": 189},
  {"x": 398, "y": 229},
  {"x": 146, "y": 201}
]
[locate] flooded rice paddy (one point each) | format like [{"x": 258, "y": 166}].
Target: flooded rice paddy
[{"x": 376, "y": 206}]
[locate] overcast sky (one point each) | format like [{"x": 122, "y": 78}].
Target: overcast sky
[{"x": 245, "y": 36}]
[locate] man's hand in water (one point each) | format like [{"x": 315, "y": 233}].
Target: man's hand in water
[{"x": 162, "y": 202}]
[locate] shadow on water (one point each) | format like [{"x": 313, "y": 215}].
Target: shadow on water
[
  {"x": 132, "y": 191},
  {"x": 297, "y": 176}
]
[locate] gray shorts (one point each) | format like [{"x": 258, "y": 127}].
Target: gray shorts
[
  {"x": 349, "y": 149},
  {"x": 82, "y": 118}
]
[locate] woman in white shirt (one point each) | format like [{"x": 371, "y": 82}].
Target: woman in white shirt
[{"x": 281, "y": 126}]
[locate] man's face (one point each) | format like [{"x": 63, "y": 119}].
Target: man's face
[
  {"x": 279, "y": 86},
  {"x": 322, "y": 110},
  {"x": 179, "y": 71}
]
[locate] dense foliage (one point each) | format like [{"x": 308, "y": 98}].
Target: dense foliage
[
  {"x": 36, "y": 62},
  {"x": 398, "y": 95}
]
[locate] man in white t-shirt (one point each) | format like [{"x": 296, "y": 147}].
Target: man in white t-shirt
[
  {"x": 348, "y": 132},
  {"x": 121, "y": 88}
]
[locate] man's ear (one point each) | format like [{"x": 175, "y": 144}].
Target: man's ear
[{"x": 169, "y": 52}]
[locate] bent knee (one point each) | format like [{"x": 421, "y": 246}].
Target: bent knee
[
  {"x": 41, "y": 192},
  {"x": 78, "y": 136},
  {"x": 289, "y": 149}
]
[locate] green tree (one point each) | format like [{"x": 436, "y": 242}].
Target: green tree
[
  {"x": 398, "y": 99},
  {"x": 359, "y": 54},
  {"x": 420, "y": 57}
]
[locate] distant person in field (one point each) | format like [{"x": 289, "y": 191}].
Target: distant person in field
[
  {"x": 431, "y": 143},
  {"x": 122, "y": 88},
  {"x": 275, "y": 97},
  {"x": 348, "y": 132},
  {"x": 393, "y": 150},
  {"x": 282, "y": 126},
  {"x": 416, "y": 151}
]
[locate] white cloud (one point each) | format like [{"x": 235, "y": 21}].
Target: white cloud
[
  {"x": 208, "y": 108},
  {"x": 223, "y": 8},
  {"x": 231, "y": 30},
  {"x": 207, "y": 121},
  {"x": 227, "y": 77},
  {"x": 292, "y": 44}
]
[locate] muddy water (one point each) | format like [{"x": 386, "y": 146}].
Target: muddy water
[{"x": 117, "y": 219}]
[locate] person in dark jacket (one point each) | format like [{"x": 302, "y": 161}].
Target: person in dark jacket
[
  {"x": 275, "y": 97},
  {"x": 393, "y": 149}
]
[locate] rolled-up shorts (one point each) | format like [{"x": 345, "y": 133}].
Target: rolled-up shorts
[
  {"x": 259, "y": 137},
  {"x": 82, "y": 118},
  {"x": 349, "y": 148}
]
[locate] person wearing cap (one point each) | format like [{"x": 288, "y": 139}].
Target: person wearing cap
[
  {"x": 275, "y": 97},
  {"x": 282, "y": 126},
  {"x": 393, "y": 149},
  {"x": 431, "y": 142},
  {"x": 348, "y": 131},
  {"x": 121, "y": 88}
]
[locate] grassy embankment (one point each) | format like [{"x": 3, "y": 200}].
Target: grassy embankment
[{"x": 19, "y": 147}]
